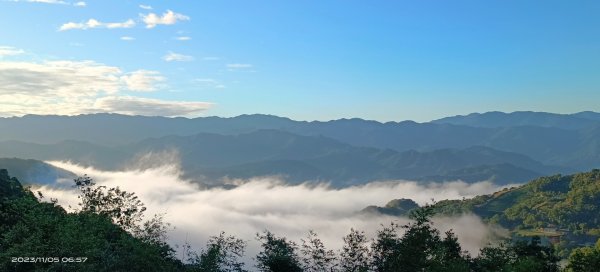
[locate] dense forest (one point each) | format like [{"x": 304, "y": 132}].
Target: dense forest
[
  {"x": 562, "y": 209},
  {"x": 109, "y": 233}
]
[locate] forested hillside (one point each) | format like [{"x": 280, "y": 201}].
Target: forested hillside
[
  {"x": 564, "y": 209},
  {"x": 570, "y": 202}
]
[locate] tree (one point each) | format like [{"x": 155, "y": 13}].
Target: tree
[
  {"x": 30, "y": 227},
  {"x": 416, "y": 247},
  {"x": 355, "y": 255},
  {"x": 10, "y": 187},
  {"x": 533, "y": 255},
  {"x": 277, "y": 255},
  {"x": 125, "y": 209},
  {"x": 420, "y": 248},
  {"x": 585, "y": 259},
  {"x": 222, "y": 254},
  {"x": 492, "y": 259},
  {"x": 449, "y": 256},
  {"x": 385, "y": 249},
  {"x": 519, "y": 256},
  {"x": 315, "y": 257}
]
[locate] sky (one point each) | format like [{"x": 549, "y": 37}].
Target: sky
[{"x": 307, "y": 60}]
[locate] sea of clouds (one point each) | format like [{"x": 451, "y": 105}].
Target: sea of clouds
[{"x": 263, "y": 203}]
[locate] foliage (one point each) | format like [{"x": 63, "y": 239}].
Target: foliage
[
  {"x": 355, "y": 255},
  {"x": 519, "y": 256},
  {"x": 585, "y": 259},
  {"x": 222, "y": 254},
  {"x": 30, "y": 228},
  {"x": 560, "y": 206},
  {"x": 125, "y": 209},
  {"x": 315, "y": 257},
  {"x": 278, "y": 254}
]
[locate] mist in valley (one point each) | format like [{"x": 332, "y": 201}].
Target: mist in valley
[{"x": 269, "y": 203}]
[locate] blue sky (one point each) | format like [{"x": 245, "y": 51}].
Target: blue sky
[{"x": 307, "y": 60}]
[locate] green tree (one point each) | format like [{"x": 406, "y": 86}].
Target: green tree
[
  {"x": 385, "y": 249},
  {"x": 315, "y": 257},
  {"x": 278, "y": 254},
  {"x": 222, "y": 254},
  {"x": 585, "y": 259},
  {"x": 31, "y": 228},
  {"x": 125, "y": 209},
  {"x": 355, "y": 255},
  {"x": 519, "y": 256}
]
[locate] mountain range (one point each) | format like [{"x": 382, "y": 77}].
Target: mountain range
[{"x": 503, "y": 147}]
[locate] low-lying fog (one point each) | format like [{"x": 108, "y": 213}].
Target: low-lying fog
[{"x": 268, "y": 203}]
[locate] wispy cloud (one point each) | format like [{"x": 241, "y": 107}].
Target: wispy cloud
[
  {"x": 172, "y": 56},
  {"x": 45, "y": 1},
  {"x": 142, "y": 80},
  {"x": 10, "y": 51},
  {"x": 168, "y": 18},
  {"x": 240, "y": 67},
  {"x": 80, "y": 4},
  {"x": 127, "y": 38},
  {"x": 146, "y": 7},
  {"x": 93, "y": 23},
  {"x": 183, "y": 38}
]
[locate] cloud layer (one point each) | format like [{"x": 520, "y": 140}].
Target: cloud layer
[
  {"x": 75, "y": 87},
  {"x": 267, "y": 203},
  {"x": 150, "y": 107}
]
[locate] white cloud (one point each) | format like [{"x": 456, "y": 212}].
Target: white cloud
[
  {"x": 54, "y": 87},
  {"x": 142, "y": 80},
  {"x": 268, "y": 203},
  {"x": 145, "y": 7},
  {"x": 171, "y": 56},
  {"x": 168, "y": 18},
  {"x": 183, "y": 38},
  {"x": 239, "y": 66},
  {"x": 47, "y": 2},
  {"x": 127, "y": 38},
  {"x": 93, "y": 23},
  {"x": 80, "y": 4},
  {"x": 10, "y": 51},
  {"x": 64, "y": 78},
  {"x": 75, "y": 87},
  {"x": 150, "y": 107}
]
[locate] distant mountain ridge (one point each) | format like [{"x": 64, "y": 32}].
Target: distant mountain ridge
[
  {"x": 208, "y": 157},
  {"x": 506, "y": 147},
  {"x": 497, "y": 119}
]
